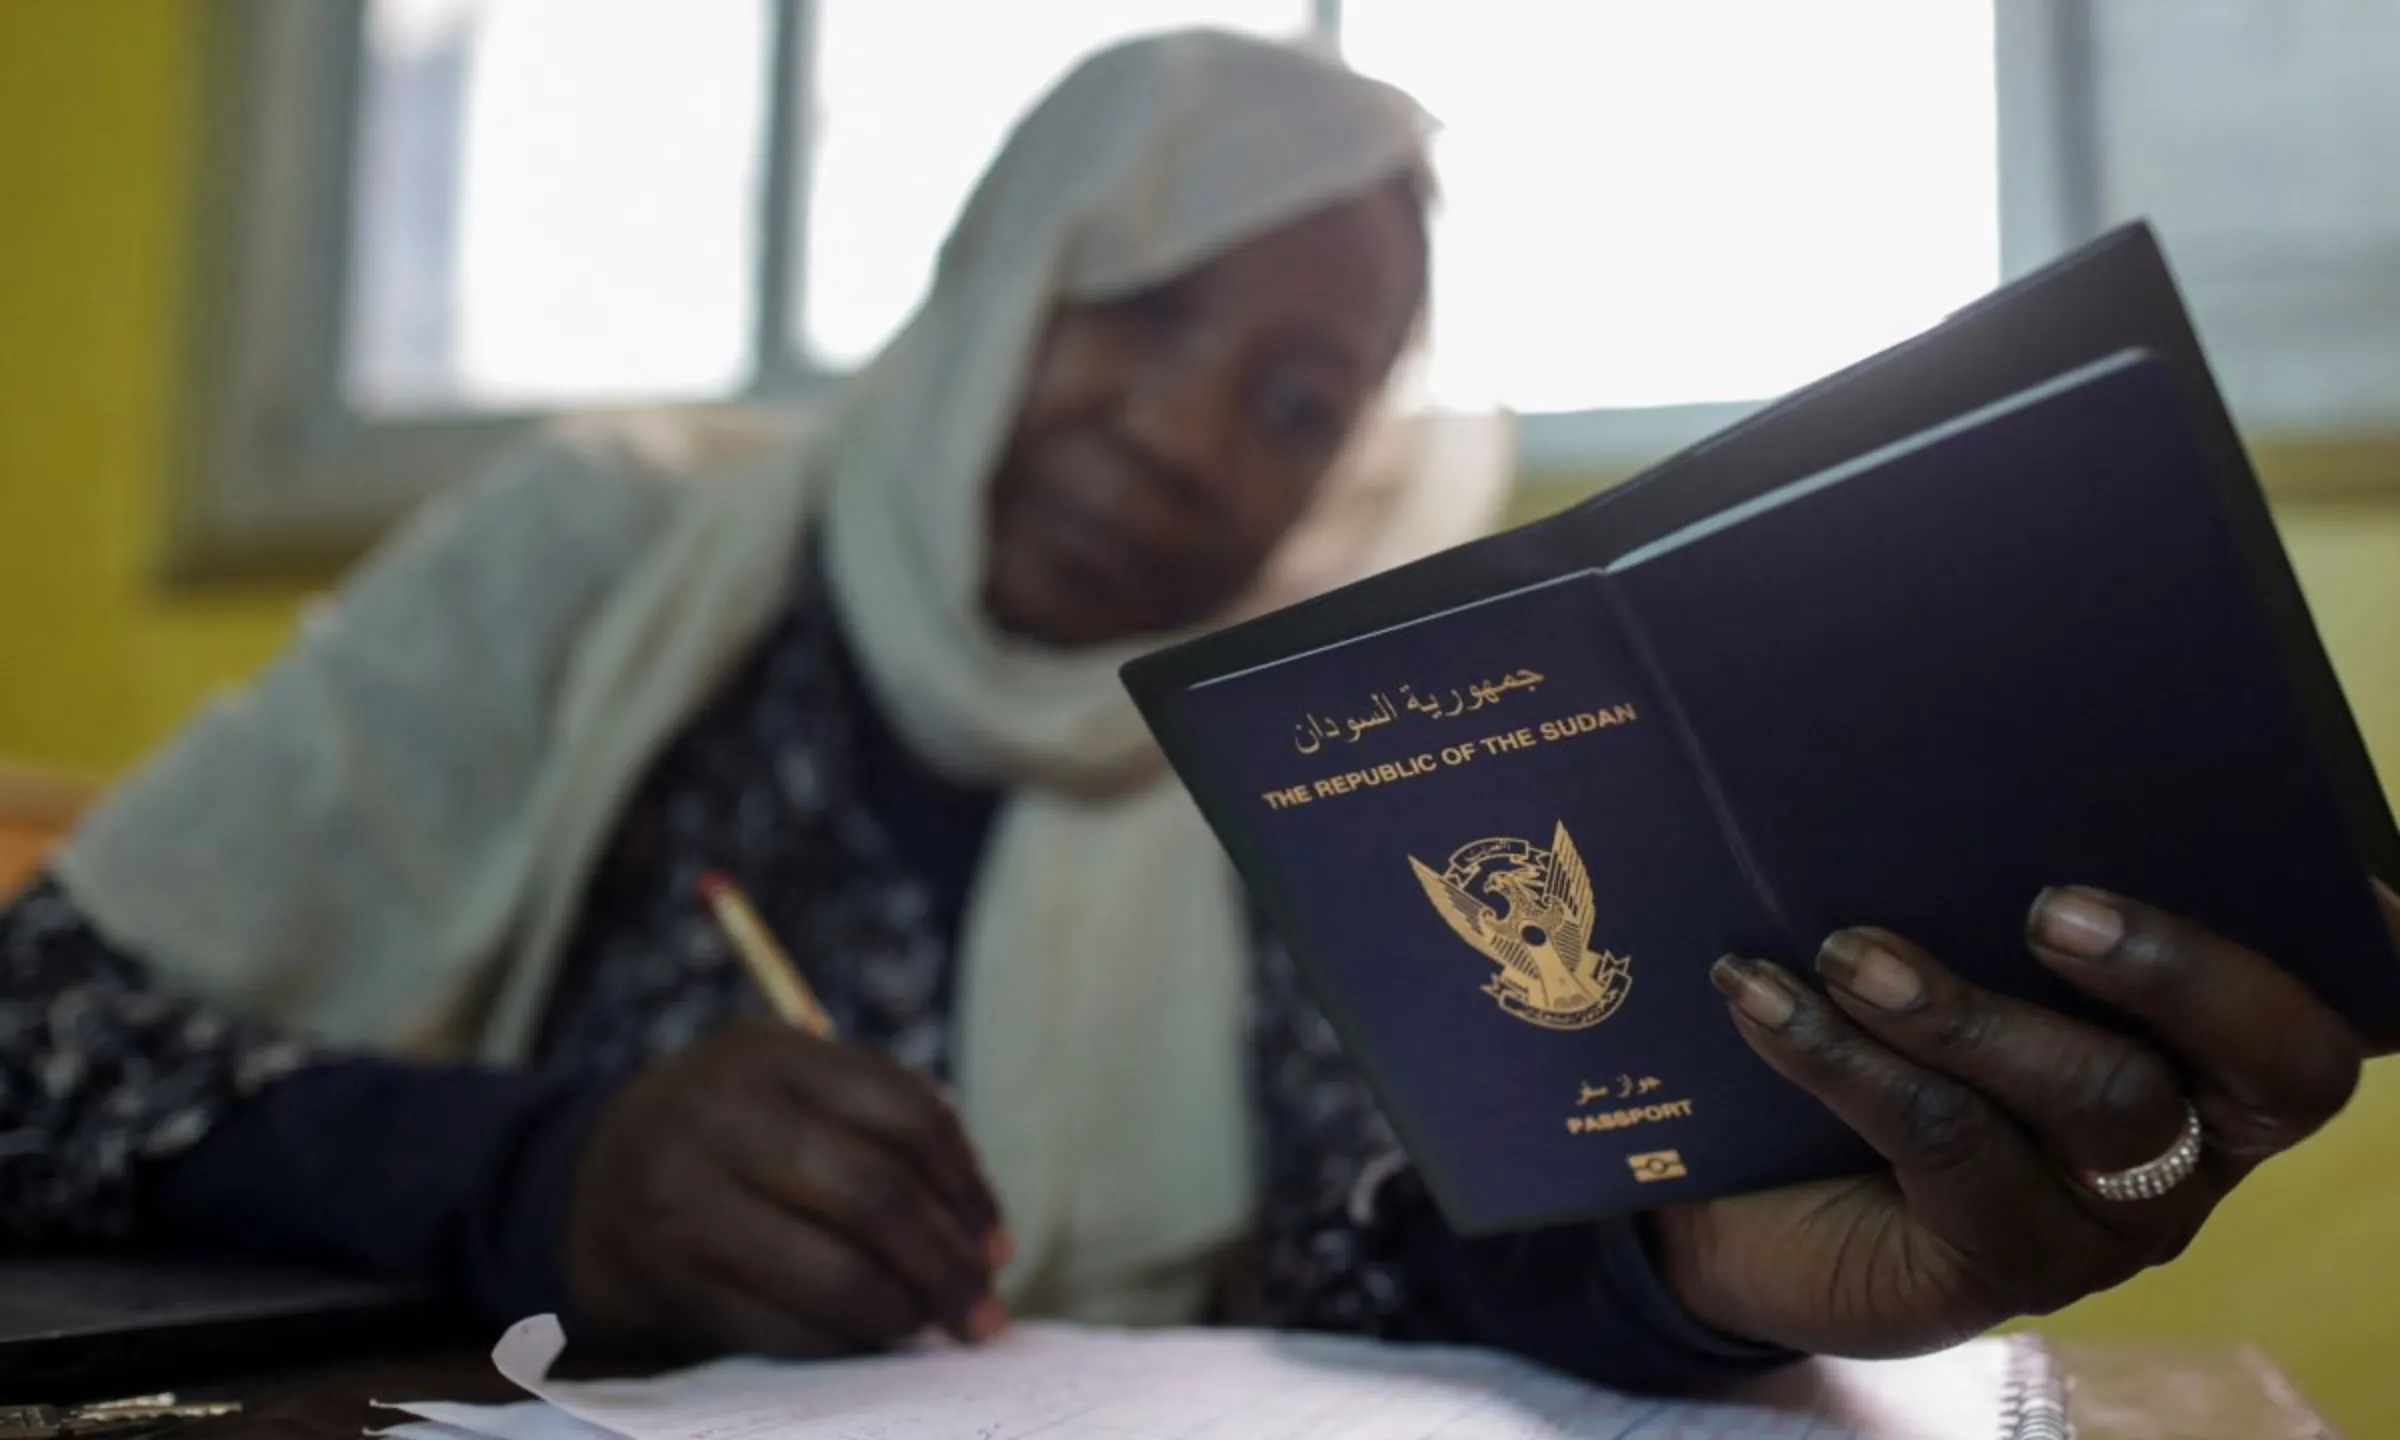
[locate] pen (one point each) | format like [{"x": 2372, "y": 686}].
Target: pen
[{"x": 770, "y": 968}]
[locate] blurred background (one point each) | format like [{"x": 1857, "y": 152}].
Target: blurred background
[{"x": 273, "y": 271}]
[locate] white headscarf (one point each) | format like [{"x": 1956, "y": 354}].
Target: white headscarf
[{"x": 1104, "y": 952}]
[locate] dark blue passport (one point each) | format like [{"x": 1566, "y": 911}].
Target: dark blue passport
[{"x": 1506, "y": 836}]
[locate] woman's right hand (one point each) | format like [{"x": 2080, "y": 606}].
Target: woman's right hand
[{"x": 775, "y": 1194}]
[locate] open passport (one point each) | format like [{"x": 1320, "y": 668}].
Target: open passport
[{"x": 1996, "y": 609}]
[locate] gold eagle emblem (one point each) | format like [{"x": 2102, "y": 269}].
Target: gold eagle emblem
[{"x": 1529, "y": 911}]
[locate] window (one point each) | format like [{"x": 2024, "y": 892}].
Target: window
[
  {"x": 563, "y": 201},
  {"x": 1662, "y": 202},
  {"x": 556, "y": 201},
  {"x": 444, "y": 218},
  {"x": 431, "y": 222},
  {"x": 1659, "y": 211}
]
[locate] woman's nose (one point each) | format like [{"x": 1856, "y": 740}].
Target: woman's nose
[{"x": 1179, "y": 417}]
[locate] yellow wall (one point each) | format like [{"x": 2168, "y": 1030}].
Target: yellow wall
[
  {"x": 98, "y": 663},
  {"x": 95, "y": 663}
]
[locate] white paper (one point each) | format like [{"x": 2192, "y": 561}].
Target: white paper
[{"x": 1070, "y": 1383}]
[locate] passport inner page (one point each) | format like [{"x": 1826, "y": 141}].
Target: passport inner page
[
  {"x": 1488, "y": 847},
  {"x": 2022, "y": 651}
]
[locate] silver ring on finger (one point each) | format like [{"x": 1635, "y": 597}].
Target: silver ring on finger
[{"x": 2155, "y": 1178}]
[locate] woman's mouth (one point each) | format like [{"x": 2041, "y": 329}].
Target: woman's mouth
[{"x": 1093, "y": 556}]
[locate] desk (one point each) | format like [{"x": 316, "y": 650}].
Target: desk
[{"x": 2119, "y": 1392}]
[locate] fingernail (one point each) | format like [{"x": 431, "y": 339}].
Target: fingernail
[
  {"x": 1755, "y": 989},
  {"x": 986, "y": 1319},
  {"x": 999, "y": 1246},
  {"x": 1869, "y": 971},
  {"x": 2074, "y": 921}
]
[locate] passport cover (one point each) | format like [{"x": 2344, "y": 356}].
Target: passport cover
[{"x": 1505, "y": 836}]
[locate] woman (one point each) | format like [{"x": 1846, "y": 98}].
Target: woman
[{"x": 869, "y": 670}]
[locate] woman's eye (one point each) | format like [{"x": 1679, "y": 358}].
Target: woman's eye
[{"x": 1301, "y": 414}]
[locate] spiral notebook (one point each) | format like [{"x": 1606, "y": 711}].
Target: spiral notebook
[{"x": 1074, "y": 1383}]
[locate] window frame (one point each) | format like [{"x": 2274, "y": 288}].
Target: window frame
[{"x": 278, "y": 478}]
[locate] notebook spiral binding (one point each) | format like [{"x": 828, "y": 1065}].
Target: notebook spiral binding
[{"x": 2033, "y": 1396}]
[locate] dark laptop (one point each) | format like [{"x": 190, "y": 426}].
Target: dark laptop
[{"x": 85, "y": 1329}]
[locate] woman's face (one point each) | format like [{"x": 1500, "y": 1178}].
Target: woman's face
[{"x": 1170, "y": 438}]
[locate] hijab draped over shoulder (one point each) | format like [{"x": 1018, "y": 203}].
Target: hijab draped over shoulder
[{"x": 384, "y": 842}]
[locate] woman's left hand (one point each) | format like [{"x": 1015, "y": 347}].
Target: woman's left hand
[{"x": 1991, "y": 1113}]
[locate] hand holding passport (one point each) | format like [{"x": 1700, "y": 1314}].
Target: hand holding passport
[{"x": 1994, "y": 620}]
